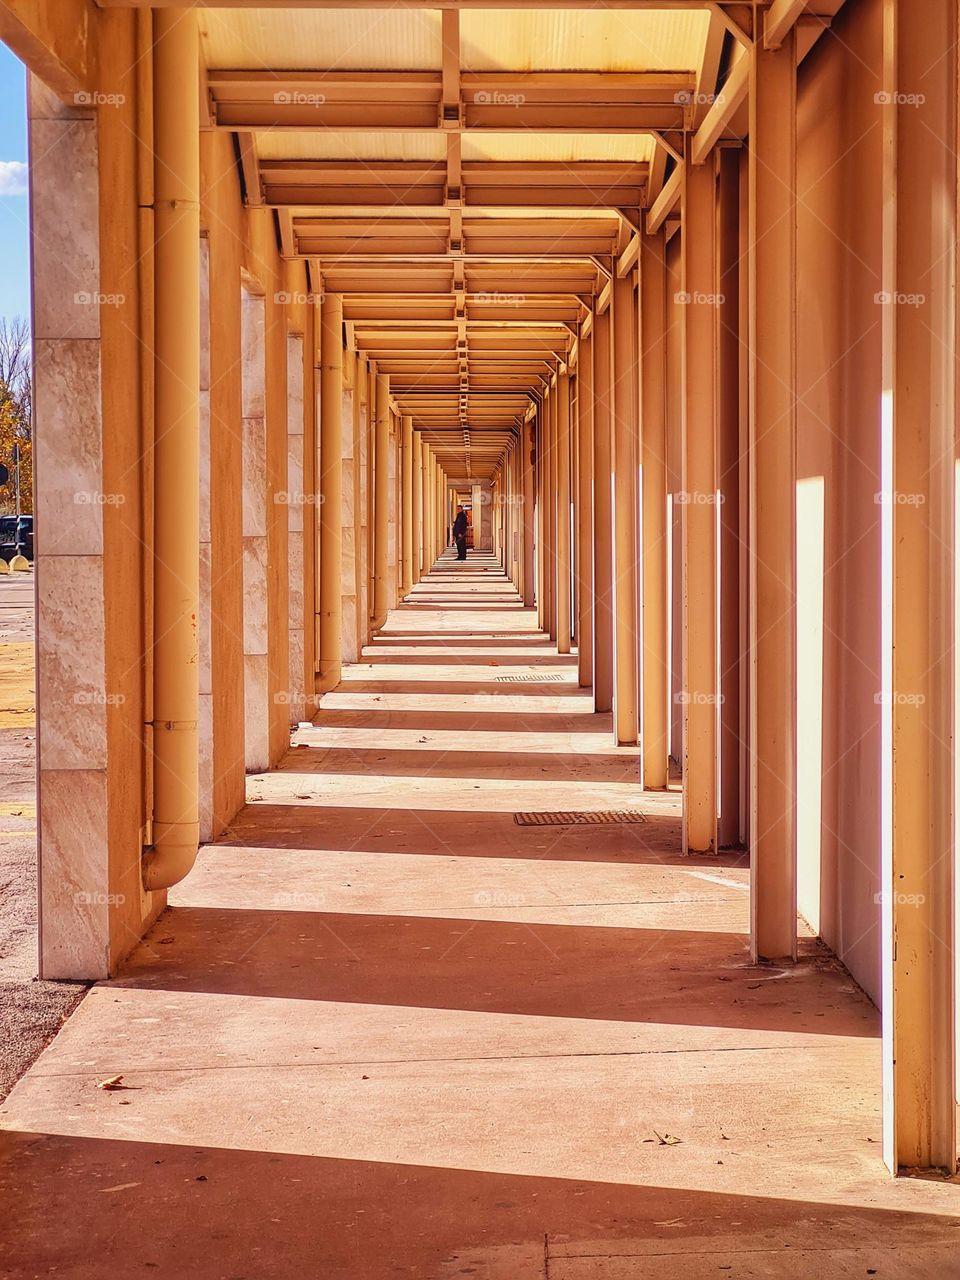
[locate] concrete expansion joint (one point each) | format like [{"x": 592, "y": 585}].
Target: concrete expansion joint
[{"x": 336, "y": 1064}]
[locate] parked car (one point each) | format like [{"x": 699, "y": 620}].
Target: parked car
[{"x": 16, "y": 537}]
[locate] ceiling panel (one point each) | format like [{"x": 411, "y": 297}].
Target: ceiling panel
[
  {"x": 582, "y": 40},
  {"x": 347, "y": 39}
]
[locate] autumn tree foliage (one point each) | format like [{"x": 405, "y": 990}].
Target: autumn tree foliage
[{"x": 16, "y": 416}]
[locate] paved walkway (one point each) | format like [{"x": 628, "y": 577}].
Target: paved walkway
[
  {"x": 30, "y": 1011},
  {"x": 385, "y": 1031}
]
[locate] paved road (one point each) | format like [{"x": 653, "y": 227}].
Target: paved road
[{"x": 30, "y": 1010}]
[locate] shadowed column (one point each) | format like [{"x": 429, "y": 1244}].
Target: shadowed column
[
  {"x": 698, "y": 496},
  {"x": 772, "y": 337},
  {"x": 602, "y": 517},
  {"x": 585, "y": 601},
  {"x": 381, "y": 503},
  {"x": 626, "y": 549},
  {"x": 563, "y": 512},
  {"x": 653, "y": 476},
  {"x": 331, "y": 489},
  {"x": 918, "y": 512}
]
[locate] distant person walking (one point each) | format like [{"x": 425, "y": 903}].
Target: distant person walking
[{"x": 460, "y": 533}]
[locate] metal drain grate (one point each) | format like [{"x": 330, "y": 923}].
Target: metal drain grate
[
  {"x": 589, "y": 818},
  {"x": 549, "y": 678}
]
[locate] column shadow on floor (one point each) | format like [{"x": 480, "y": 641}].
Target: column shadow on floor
[
  {"x": 666, "y": 976},
  {"x": 242, "y": 1214}
]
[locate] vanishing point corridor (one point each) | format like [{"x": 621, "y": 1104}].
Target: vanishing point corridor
[
  {"x": 493, "y": 756},
  {"x": 385, "y": 1026}
]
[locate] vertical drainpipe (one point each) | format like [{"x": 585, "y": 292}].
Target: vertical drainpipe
[
  {"x": 331, "y": 490},
  {"x": 176, "y": 564}
]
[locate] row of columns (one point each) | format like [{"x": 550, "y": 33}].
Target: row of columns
[
  {"x": 584, "y": 524},
  {"x": 677, "y": 409},
  {"x": 404, "y": 495},
  {"x": 694, "y": 356},
  {"x": 604, "y": 561}
]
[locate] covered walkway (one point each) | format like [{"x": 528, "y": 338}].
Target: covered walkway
[
  {"x": 383, "y": 1030},
  {"x": 585, "y": 908}
]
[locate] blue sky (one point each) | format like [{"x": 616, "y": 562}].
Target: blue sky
[{"x": 14, "y": 248}]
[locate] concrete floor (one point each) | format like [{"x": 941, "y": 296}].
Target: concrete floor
[{"x": 385, "y": 1031}]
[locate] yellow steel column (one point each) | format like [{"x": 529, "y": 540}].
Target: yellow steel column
[
  {"x": 494, "y": 517},
  {"x": 729, "y": 358},
  {"x": 441, "y": 530},
  {"x": 655, "y": 735},
  {"x": 395, "y": 515},
  {"x": 516, "y": 511},
  {"x": 440, "y": 533},
  {"x": 448, "y": 511},
  {"x": 585, "y": 460},
  {"x": 528, "y": 536},
  {"x": 495, "y": 499},
  {"x": 626, "y": 550},
  {"x": 771, "y": 254},
  {"x": 371, "y": 491},
  {"x": 406, "y": 503},
  {"x": 427, "y": 504},
  {"x": 698, "y": 495},
  {"x": 554, "y": 507},
  {"x": 381, "y": 503},
  {"x": 563, "y": 513},
  {"x": 416, "y": 501},
  {"x": 541, "y": 521},
  {"x": 919, "y": 474},
  {"x": 574, "y": 435},
  {"x": 603, "y": 514},
  {"x": 176, "y": 455},
  {"x": 510, "y": 514},
  {"x": 506, "y": 514},
  {"x": 674, "y": 434},
  {"x": 331, "y": 489},
  {"x": 550, "y": 514},
  {"x": 506, "y": 481},
  {"x": 437, "y": 546}
]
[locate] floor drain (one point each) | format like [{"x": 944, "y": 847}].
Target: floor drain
[
  {"x": 549, "y": 677},
  {"x": 589, "y": 818}
]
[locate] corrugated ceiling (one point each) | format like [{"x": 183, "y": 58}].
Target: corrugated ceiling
[
  {"x": 491, "y": 40},
  {"x": 561, "y": 148},
  {"x": 593, "y": 40},
  {"x": 279, "y": 144},
  {"x": 306, "y": 39},
  {"x": 410, "y": 39}
]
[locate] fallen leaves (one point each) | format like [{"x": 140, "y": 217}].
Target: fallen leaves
[
  {"x": 664, "y": 1139},
  {"x": 113, "y": 1083}
]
